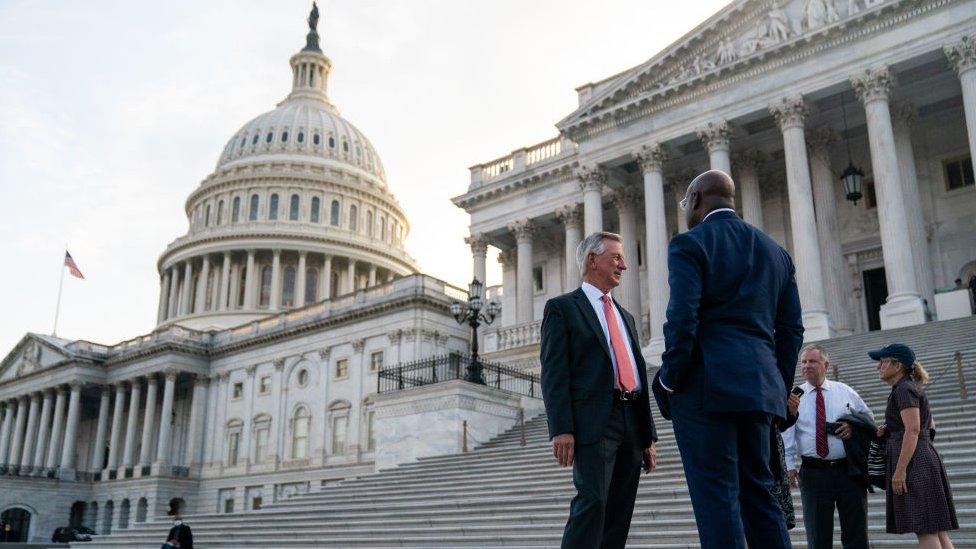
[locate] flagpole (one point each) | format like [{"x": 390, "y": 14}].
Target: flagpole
[{"x": 57, "y": 309}]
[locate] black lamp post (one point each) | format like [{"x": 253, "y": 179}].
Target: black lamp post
[
  {"x": 851, "y": 176},
  {"x": 472, "y": 316}
]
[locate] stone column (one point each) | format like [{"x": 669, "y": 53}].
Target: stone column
[
  {"x": 172, "y": 308},
  {"x": 165, "y": 420},
  {"x": 194, "y": 438},
  {"x": 57, "y": 429},
  {"x": 790, "y": 114},
  {"x": 372, "y": 276},
  {"x": 479, "y": 253},
  {"x": 115, "y": 441},
  {"x": 135, "y": 397},
  {"x": 962, "y": 57},
  {"x": 5, "y": 429},
  {"x": 300, "y": 280},
  {"x": 250, "y": 278},
  {"x": 149, "y": 421},
  {"x": 904, "y": 305},
  {"x": 244, "y": 450},
  {"x": 507, "y": 260},
  {"x": 715, "y": 138},
  {"x": 524, "y": 232},
  {"x": 101, "y": 429},
  {"x": 275, "y": 303},
  {"x": 627, "y": 201},
  {"x": 17, "y": 445},
  {"x": 234, "y": 298},
  {"x": 71, "y": 431},
  {"x": 903, "y": 119},
  {"x": 187, "y": 292},
  {"x": 836, "y": 287},
  {"x": 572, "y": 219},
  {"x": 747, "y": 167},
  {"x": 224, "y": 296},
  {"x": 43, "y": 431},
  {"x": 203, "y": 279},
  {"x": 357, "y": 368},
  {"x": 163, "y": 297},
  {"x": 350, "y": 277},
  {"x": 326, "y": 277},
  {"x": 591, "y": 180},
  {"x": 30, "y": 437}
]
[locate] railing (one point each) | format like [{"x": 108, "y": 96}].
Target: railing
[
  {"x": 513, "y": 337},
  {"x": 180, "y": 472},
  {"x": 497, "y": 167},
  {"x": 452, "y": 367},
  {"x": 543, "y": 151},
  {"x": 521, "y": 159}
]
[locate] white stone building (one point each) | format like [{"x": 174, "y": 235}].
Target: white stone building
[
  {"x": 288, "y": 293},
  {"x": 783, "y": 95}
]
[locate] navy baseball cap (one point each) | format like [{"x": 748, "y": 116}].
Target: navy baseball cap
[{"x": 897, "y": 351}]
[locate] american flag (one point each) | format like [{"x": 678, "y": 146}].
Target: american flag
[{"x": 72, "y": 266}]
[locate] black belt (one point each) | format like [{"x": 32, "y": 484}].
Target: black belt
[
  {"x": 817, "y": 463},
  {"x": 625, "y": 396}
]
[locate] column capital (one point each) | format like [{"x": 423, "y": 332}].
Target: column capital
[
  {"x": 302, "y": 253},
  {"x": 789, "y": 113},
  {"x": 324, "y": 353},
  {"x": 478, "y": 243},
  {"x": 524, "y": 229},
  {"x": 570, "y": 215},
  {"x": 507, "y": 257},
  {"x": 873, "y": 84},
  {"x": 591, "y": 176},
  {"x": 276, "y": 252},
  {"x": 250, "y": 370},
  {"x": 715, "y": 135},
  {"x": 905, "y": 112},
  {"x": 625, "y": 198},
  {"x": 395, "y": 336},
  {"x": 358, "y": 345},
  {"x": 226, "y": 254},
  {"x": 751, "y": 160},
  {"x": 651, "y": 157},
  {"x": 76, "y": 385},
  {"x": 223, "y": 376},
  {"x": 170, "y": 374},
  {"x": 820, "y": 140},
  {"x": 962, "y": 54}
]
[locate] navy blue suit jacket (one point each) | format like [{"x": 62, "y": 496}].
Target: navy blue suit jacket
[
  {"x": 577, "y": 374},
  {"x": 734, "y": 325}
]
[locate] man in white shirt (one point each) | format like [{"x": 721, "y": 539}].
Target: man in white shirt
[{"x": 815, "y": 453}]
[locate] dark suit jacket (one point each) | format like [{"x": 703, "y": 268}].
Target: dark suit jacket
[
  {"x": 733, "y": 327},
  {"x": 577, "y": 374},
  {"x": 181, "y": 534}
]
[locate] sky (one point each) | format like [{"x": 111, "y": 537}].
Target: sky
[{"x": 112, "y": 112}]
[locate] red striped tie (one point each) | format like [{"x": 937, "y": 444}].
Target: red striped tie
[{"x": 822, "y": 448}]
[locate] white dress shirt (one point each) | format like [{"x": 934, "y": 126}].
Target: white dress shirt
[
  {"x": 801, "y": 438},
  {"x": 596, "y": 300}
]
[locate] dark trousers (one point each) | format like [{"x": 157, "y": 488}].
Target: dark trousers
[
  {"x": 823, "y": 489},
  {"x": 726, "y": 462},
  {"x": 606, "y": 474}
]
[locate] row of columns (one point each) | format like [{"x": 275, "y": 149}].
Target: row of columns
[
  {"x": 176, "y": 299},
  {"x": 39, "y": 431}
]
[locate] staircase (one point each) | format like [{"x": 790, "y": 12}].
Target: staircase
[{"x": 505, "y": 495}]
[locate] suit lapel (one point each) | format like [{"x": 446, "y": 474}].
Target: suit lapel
[{"x": 586, "y": 308}]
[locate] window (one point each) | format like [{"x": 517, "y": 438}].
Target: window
[
  {"x": 958, "y": 172},
  {"x": 238, "y": 390},
  {"x": 369, "y": 223},
  {"x": 302, "y": 378},
  {"x": 293, "y": 208},
  {"x": 288, "y": 288},
  {"x": 253, "y": 214},
  {"x": 236, "y": 213},
  {"x": 345, "y": 146},
  {"x": 370, "y": 431},
  {"x": 262, "y": 430},
  {"x": 243, "y": 141},
  {"x": 314, "y": 214},
  {"x": 311, "y": 284},
  {"x": 315, "y": 139},
  {"x": 255, "y": 140},
  {"x": 538, "y": 279},
  {"x": 264, "y": 385},
  {"x": 220, "y": 212},
  {"x": 299, "y": 437},
  {"x": 284, "y": 137},
  {"x": 265, "y": 287},
  {"x": 256, "y": 502},
  {"x": 233, "y": 444},
  {"x": 207, "y": 219},
  {"x": 273, "y": 207},
  {"x": 229, "y": 505},
  {"x": 870, "y": 198},
  {"x": 269, "y": 137},
  {"x": 376, "y": 361},
  {"x": 341, "y": 368},
  {"x": 331, "y": 142},
  {"x": 334, "y": 214},
  {"x": 339, "y": 435},
  {"x": 353, "y": 214},
  {"x": 301, "y": 137}
]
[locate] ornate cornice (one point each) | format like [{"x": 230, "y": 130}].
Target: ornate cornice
[
  {"x": 873, "y": 85},
  {"x": 715, "y": 135},
  {"x": 962, "y": 55},
  {"x": 789, "y": 113}
]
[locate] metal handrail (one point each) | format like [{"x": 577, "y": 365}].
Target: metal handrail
[{"x": 453, "y": 366}]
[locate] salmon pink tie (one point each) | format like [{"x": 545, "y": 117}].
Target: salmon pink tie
[{"x": 625, "y": 370}]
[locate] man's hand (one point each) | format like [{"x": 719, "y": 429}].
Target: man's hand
[
  {"x": 844, "y": 430},
  {"x": 793, "y": 405},
  {"x": 794, "y": 477},
  {"x": 562, "y": 448},
  {"x": 650, "y": 458},
  {"x": 881, "y": 431}
]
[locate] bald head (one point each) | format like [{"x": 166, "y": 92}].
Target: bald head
[{"x": 709, "y": 191}]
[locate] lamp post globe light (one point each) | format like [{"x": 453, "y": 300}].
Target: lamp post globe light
[{"x": 472, "y": 315}]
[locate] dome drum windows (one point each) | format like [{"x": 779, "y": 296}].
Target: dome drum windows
[
  {"x": 316, "y": 139},
  {"x": 334, "y": 214},
  {"x": 288, "y": 287},
  {"x": 269, "y": 137},
  {"x": 254, "y": 140},
  {"x": 273, "y": 207},
  {"x": 331, "y": 142},
  {"x": 293, "y": 208},
  {"x": 236, "y": 210},
  {"x": 314, "y": 213},
  {"x": 353, "y": 218},
  {"x": 284, "y": 136},
  {"x": 253, "y": 213},
  {"x": 301, "y": 136}
]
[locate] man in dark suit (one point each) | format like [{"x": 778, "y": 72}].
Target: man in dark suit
[
  {"x": 594, "y": 383},
  {"x": 732, "y": 336}
]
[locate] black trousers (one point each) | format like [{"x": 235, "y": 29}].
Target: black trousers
[
  {"x": 823, "y": 489},
  {"x": 606, "y": 474}
]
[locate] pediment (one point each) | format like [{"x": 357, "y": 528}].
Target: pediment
[
  {"x": 743, "y": 34},
  {"x": 32, "y": 354}
]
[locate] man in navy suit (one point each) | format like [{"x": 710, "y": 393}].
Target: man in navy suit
[
  {"x": 594, "y": 383},
  {"x": 732, "y": 336}
]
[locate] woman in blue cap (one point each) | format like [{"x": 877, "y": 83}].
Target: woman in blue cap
[{"x": 918, "y": 497}]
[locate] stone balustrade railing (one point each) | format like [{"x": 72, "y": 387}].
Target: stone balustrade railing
[
  {"x": 521, "y": 160},
  {"x": 506, "y": 338}
]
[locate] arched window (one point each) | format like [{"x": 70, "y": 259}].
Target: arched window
[
  {"x": 253, "y": 214},
  {"x": 301, "y": 137},
  {"x": 314, "y": 214},
  {"x": 273, "y": 207},
  {"x": 108, "y": 514},
  {"x": 255, "y": 140},
  {"x": 311, "y": 284},
  {"x": 288, "y": 288},
  {"x": 331, "y": 142},
  {"x": 243, "y": 141},
  {"x": 284, "y": 137},
  {"x": 334, "y": 214},
  {"x": 124, "y": 514},
  {"x": 269, "y": 137},
  {"x": 265, "y": 287},
  {"x": 345, "y": 146},
  {"x": 299, "y": 433},
  {"x": 142, "y": 509},
  {"x": 316, "y": 139},
  {"x": 220, "y": 212},
  {"x": 236, "y": 213},
  {"x": 353, "y": 218},
  {"x": 293, "y": 208},
  {"x": 206, "y": 220},
  {"x": 369, "y": 223}
]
